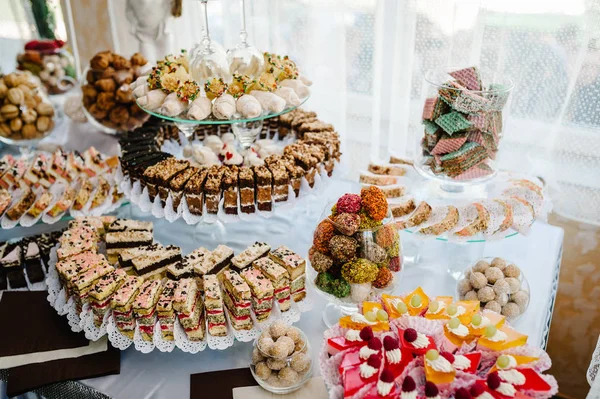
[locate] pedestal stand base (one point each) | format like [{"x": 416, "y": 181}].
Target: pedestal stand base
[{"x": 333, "y": 312}]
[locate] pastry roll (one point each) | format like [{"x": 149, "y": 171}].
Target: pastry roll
[
  {"x": 300, "y": 88},
  {"x": 200, "y": 109},
  {"x": 142, "y": 80},
  {"x": 153, "y": 99},
  {"x": 269, "y": 101},
  {"x": 305, "y": 80},
  {"x": 140, "y": 90},
  {"x": 223, "y": 107},
  {"x": 289, "y": 95},
  {"x": 248, "y": 106},
  {"x": 172, "y": 105}
]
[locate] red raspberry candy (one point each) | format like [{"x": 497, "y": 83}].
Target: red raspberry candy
[
  {"x": 375, "y": 344},
  {"x": 374, "y": 361},
  {"x": 448, "y": 356},
  {"x": 493, "y": 380},
  {"x": 462, "y": 393},
  {"x": 386, "y": 376},
  {"x": 366, "y": 333},
  {"x": 410, "y": 335},
  {"x": 390, "y": 343},
  {"x": 409, "y": 384},
  {"x": 431, "y": 390}
]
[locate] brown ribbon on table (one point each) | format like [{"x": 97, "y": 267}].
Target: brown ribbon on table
[{"x": 219, "y": 384}]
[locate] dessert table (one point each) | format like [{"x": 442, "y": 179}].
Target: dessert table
[{"x": 158, "y": 375}]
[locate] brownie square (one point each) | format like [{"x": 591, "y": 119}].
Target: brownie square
[
  {"x": 16, "y": 278},
  {"x": 263, "y": 188},
  {"x": 212, "y": 189},
  {"x": 229, "y": 185},
  {"x": 194, "y": 194},
  {"x": 246, "y": 184}
]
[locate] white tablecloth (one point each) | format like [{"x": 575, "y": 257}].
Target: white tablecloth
[{"x": 161, "y": 375}]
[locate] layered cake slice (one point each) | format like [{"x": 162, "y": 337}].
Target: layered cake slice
[
  {"x": 237, "y": 300},
  {"x": 188, "y": 303},
  {"x": 83, "y": 195},
  {"x": 168, "y": 170},
  {"x": 246, "y": 183},
  {"x": 122, "y": 305},
  {"x": 40, "y": 204},
  {"x": 86, "y": 280},
  {"x": 33, "y": 263},
  {"x": 179, "y": 182},
  {"x": 116, "y": 242},
  {"x": 70, "y": 268},
  {"x": 281, "y": 181},
  {"x": 213, "y": 301},
  {"x": 262, "y": 292},
  {"x": 127, "y": 256},
  {"x": 120, "y": 225},
  {"x": 13, "y": 267},
  {"x": 22, "y": 205},
  {"x": 263, "y": 186},
  {"x": 92, "y": 222},
  {"x": 194, "y": 192},
  {"x": 64, "y": 202},
  {"x": 295, "y": 172},
  {"x": 296, "y": 267},
  {"x": 247, "y": 256},
  {"x": 214, "y": 262},
  {"x": 185, "y": 267},
  {"x": 229, "y": 185},
  {"x": 76, "y": 241},
  {"x": 279, "y": 278},
  {"x": 157, "y": 262},
  {"x": 5, "y": 200},
  {"x": 102, "y": 190},
  {"x": 10, "y": 178},
  {"x": 144, "y": 307},
  {"x": 101, "y": 294},
  {"x": 165, "y": 310},
  {"x": 212, "y": 188}
]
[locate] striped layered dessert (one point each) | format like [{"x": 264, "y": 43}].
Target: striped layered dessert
[
  {"x": 296, "y": 268},
  {"x": 85, "y": 281},
  {"x": 101, "y": 293},
  {"x": 185, "y": 267},
  {"x": 165, "y": 310},
  {"x": 122, "y": 305},
  {"x": 213, "y": 301},
  {"x": 262, "y": 292},
  {"x": 76, "y": 241},
  {"x": 279, "y": 277},
  {"x": 237, "y": 300},
  {"x": 157, "y": 262},
  {"x": 144, "y": 307},
  {"x": 116, "y": 242},
  {"x": 214, "y": 262},
  {"x": 130, "y": 225},
  {"x": 190, "y": 307},
  {"x": 68, "y": 269},
  {"x": 250, "y": 254}
]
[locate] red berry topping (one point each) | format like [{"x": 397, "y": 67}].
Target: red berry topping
[
  {"x": 390, "y": 343},
  {"x": 493, "y": 380},
  {"x": 476, "y": 390},
  {"x": 410, "y": 335},
  {"x": 375, "y": 344},
  {"x": 448, "y": 356},
  {"x": 409, "y": 384},
  {"x": 349, "y": 203},
  {"x": 374, "y": 361},
  {"x": 462, "y": 393},
  {"x": 224, "y": 145},
  {"x": 366, "y": 333},
  {"x": 431, "y": 390},
  {"x": 228, "y": 155},
  {"x": 386, "y": 376}
]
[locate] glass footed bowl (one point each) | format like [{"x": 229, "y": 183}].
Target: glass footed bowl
[
  {"x": 130, "y": 124},
  {"x": 380, "y": 244},
  {"x": 211, "y": 120},
  {"x": 32, "y": 143},
  {"x": 274, "y": 385},
  {"x": 522, "y": 279}
]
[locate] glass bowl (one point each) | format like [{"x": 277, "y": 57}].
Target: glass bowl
[
  {"x": 273, "y": 384},
  {"x": 55, "y": 68},
  {"x": 461, "y": 129},
  {"x": 135, "y": 119},
  {"x": 379, "y": 245},
  {"x": 517, "y": 298}
]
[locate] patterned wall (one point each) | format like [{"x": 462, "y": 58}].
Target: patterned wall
[
  {"x": 91, "y": 22},
  {"x": 576, "y": 320}
]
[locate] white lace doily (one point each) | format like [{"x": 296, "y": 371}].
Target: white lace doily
[
  {"x": 141, "y": 344},
  {"x": 159, "y": 342},
  {"x": 183, "y": 343},
  {"x": 72, "y": 315},
  {"x": 115, "y": 337},
  {"x": 593, "y": 372}
]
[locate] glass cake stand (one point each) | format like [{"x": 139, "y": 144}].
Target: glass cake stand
[{"x": 246, "y": 130}]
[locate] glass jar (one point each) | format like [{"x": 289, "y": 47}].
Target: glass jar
[
  {"x": 463, "y": 117},
  {"x": 350, "y": 268},
  {"x": 52, "y": 63}
]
